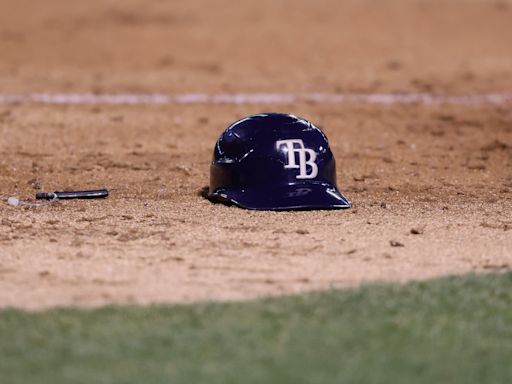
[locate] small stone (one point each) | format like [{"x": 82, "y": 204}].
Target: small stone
[
  {"x": 13, "y": 201},
  {"x": 395, "y": 243}
]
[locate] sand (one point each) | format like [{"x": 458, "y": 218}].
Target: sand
[{"x": 431, "y": 183}]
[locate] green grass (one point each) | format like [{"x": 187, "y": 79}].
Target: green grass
[{"x": 452, "y": 330}]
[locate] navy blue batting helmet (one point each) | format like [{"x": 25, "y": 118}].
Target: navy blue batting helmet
[{"x": 274, "y": 161}]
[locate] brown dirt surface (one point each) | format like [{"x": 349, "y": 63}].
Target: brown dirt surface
[{"x": 431, "y": 184}]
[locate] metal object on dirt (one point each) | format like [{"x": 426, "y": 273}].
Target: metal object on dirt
[
  {"x": 53, "y": 197},
  {"x": 93, "y": 194}
]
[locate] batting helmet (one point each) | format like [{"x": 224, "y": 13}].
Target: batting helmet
[{"x": 274, "y": 161}]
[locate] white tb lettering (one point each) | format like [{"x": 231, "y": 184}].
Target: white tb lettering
[{"x": 307, "y": 157}]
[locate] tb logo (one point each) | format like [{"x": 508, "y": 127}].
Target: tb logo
[{"x": 305, "y": 157}]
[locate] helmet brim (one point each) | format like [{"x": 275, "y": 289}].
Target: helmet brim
[{"x": 303, "y": 196}]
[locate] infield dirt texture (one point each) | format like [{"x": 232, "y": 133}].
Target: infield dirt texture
[{"x": 431, "y": 183}]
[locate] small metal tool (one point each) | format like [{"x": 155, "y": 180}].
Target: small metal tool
[{"x": 94, "y": 194}]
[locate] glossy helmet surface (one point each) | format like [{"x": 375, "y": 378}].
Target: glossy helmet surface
[{"x": 274, "y": 162}]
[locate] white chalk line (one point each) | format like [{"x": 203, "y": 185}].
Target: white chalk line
[{"x": 255, "y": 98}]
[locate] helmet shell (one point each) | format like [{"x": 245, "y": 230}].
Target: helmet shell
[{"x": 274, "y": 161}]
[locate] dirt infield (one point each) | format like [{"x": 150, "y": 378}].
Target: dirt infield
[{"x": 431, "y": 184}]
